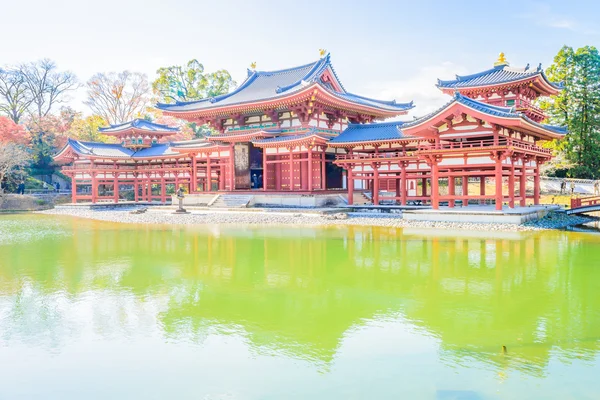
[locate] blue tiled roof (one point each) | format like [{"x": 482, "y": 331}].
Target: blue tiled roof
[
  {"x": 374, "y": 103},
  {"x": 497, "y": 75},
  {"x": 157, "y": 149},
  {"x": 371, "y": 132},
  {"x": 560, "y": 130},
  {"x": 266, "y": 85},
  {"x": 111, "y": 150},
  {"x": 284, "y": 138},
  {"x": 497, "y": 111},
  {"x": 114, "y": 150},
  {"x": 141, "y": 124}
]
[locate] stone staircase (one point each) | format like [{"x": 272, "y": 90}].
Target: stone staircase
[
  {"x": 231, "y": 201},
  {"x": 359, "y": 198}
]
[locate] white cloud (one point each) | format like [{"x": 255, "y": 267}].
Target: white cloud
[{"x": 420, "y": 88}]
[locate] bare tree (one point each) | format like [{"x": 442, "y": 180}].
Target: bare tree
[
  {"x": 47, "y": 86},
  {"x": 118, "y": 97},
  {"x": 13, "y": 157},
  {"x": 15, "y": 97}
]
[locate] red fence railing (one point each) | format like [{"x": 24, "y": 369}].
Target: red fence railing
[
  {"x": 473, "y": 144},
  {"x": 468, "y": 145},
  {"x": 584, "y": 201}
]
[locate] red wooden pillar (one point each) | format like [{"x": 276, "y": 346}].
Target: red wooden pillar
[
  {"x": 135, "y": 188},
  {"x": 375, "y": 195},
  {"x": 291, "y": 171},
  {"x": 278, "y": 171},
  {"x": 349, "y": 184},
  {"x": 523, "y": 185},
  {"x": 194, "y": 175},
  {"x": 221, "y": 177},
  {"x": 73, "y": 189},
  {"x": 536, "y": 184},
  {"x": 496, "y": 132},
  {"x": 482, "y": 189},
  {"x": 451, "y": 190},
  {"x": 94, "y": 187},
  {"x": 404, "y": 187},
  {"x": 163, "y": 189},
  {"x": 265, "y": 169},
  {"x": 424, "y": 187},
  {"x": 465, "y": 190},
  {"x": 232, "y": 166},
  {"x": 435, "y": 194},
  {"x": 323, "y": 170},
  {"x": 310, "y": 170},
  {"x": 116, "y": 187},
  {"x": 303, "y": 173},
  {"x": 498, "y": 184},
  {"x": 511, "y": 186},
  {"x": 208, "y": 180},
  {"x": 149, "y": 188}
]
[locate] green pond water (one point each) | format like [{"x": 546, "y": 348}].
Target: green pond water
[{"x": 96, "y": 310}]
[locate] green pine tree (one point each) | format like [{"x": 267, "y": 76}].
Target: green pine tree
[{"x": 578, "y": 108}]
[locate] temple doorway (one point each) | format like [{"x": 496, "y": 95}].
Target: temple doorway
[
  {"x": 333, "y": 173},
  {"x": 256, "y": 167}
]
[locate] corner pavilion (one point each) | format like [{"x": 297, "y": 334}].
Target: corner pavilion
[{"x": 299, "y": 131}]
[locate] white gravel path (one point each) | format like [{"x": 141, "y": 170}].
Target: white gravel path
[{"x": 162, "y": 216}]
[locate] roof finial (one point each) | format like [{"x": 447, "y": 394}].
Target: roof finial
[
  {"x": 501, "y": 60},
  {"x": 253, "y": 65},
  {"x": 322, "y": 52}
]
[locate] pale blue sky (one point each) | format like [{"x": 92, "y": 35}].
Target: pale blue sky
[{"x": 386, "y": 49}]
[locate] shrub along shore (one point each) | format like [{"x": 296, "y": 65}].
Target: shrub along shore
[{"x": 20, "y": 203}]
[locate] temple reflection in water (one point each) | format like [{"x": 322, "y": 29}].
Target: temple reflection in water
[{"x": 299, "y": 292}]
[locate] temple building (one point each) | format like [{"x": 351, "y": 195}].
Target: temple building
[
  {"x": 299, "y": 131},
  {"x": 277, "y": 125}
]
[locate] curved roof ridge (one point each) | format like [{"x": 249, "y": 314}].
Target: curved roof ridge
[
  {"x": 467, "y": 100},
  {"x": 517, "y": 69},
  {"x": 213, "y": 99},
  {"x": 497, "y": 75},
  {"x": 460, "y": 78},
  {"x": 252, "y": 76},
  {"x": 388, "y": 102},
  {"x": 137, "y": 123},
  {"x": 160, "y": 105},
  {"x": 563, "y": 130},
  {"x": 284, "y": 70},
  {"x": 316, "y": 69},
  {"x": 110, "y": 126}
]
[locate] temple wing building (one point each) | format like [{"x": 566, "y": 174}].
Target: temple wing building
[
  {"x": 299, "y": 131},
  {"x": 490, "y": 133},
  {"x": 142, "y": 167}
]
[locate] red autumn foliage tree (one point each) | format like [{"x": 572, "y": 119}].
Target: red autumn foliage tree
[{"x": 11, "y": 132}]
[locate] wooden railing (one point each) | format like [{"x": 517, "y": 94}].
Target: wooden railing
[
  {"x": 476, "y": 144},
  {"x": 577, "y": 202},
  {"x": 367, "y": 156},
  {"x": 472, "y": 144},
  {"x": 125, "y": 167}
]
